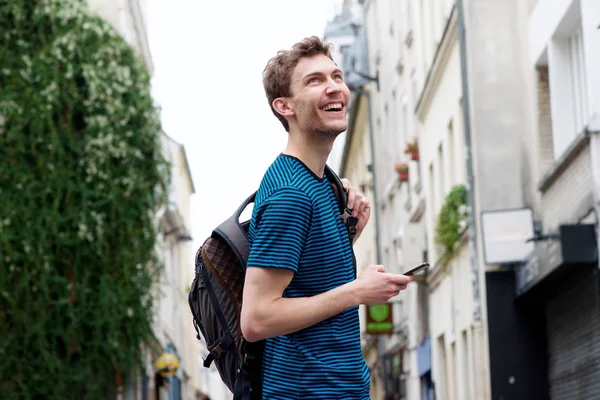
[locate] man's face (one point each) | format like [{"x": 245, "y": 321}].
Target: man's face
[{"x": 319, "y": 96}]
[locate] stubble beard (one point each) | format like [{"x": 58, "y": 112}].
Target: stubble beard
[{"x": 318, "y": 129}]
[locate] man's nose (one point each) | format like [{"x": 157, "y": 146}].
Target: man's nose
[{"x": 333, "y": 87}]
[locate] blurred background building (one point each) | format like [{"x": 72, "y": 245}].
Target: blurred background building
[
  {"x": 173, "y": 329},
  {"x": 486, "y": 114}
]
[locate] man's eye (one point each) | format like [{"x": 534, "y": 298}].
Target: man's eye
[
  {"x": 314, "y": 80},
  {"x": 339, "y": 77}
]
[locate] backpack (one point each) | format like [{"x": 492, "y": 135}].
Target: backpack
[{"x": 215, "y": 298}]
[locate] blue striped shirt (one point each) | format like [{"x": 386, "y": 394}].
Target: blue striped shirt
[{"x": 296, "y": 225}]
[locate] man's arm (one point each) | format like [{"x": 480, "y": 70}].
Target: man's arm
[{"x": 265, "y": 313}]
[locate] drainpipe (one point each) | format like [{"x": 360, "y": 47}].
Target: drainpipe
[
  {"x": 469, "y": 160},
  {"x": 375, "y": 207}
]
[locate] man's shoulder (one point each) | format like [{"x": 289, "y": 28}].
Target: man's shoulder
[
  {"x": 285, "y": 195},
  {"x": 282, "y": 181}
]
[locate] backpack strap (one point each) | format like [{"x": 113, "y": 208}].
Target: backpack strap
[
  {"x": 248, "y": 385},
  {"x": 342, "y": 197},
  {"x": 226, "y": 341},
  {"x": 232, "y": 232}
]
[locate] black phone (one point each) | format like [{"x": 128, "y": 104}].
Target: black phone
[{"x": 416, "y": 269}]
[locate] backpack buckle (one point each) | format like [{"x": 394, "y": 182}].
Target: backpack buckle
[
  {"x": 345, "y": 215},
  {"x": 248, "y": 358},
  {"x": 350, "y": 222},
  {"x": 218, "y": 351}
]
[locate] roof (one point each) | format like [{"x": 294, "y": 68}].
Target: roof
[{"x": 185, "y": 160}]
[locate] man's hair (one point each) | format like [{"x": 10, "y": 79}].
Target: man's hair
[{"x": 277, "y": 75}]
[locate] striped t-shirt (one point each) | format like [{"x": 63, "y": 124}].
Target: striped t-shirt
[{"x": 296, "y": 225}]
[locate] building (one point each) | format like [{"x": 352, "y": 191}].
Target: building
[
  {"x": 172, "y": 328},
  {"x": 394, "y": 59},
  {"x": 455, "y": 338},
  {"x": 549, "y": 309},
  {"x": 129, "y": 18},
  {"x": 503, "y": 99}
]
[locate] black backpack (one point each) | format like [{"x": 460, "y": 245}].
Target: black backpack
[{"x": 215, "y": 299}]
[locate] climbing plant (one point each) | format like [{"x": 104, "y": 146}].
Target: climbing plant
[
  {"x": 82, "y": 176},
  {"x": 450, "y": 218}
]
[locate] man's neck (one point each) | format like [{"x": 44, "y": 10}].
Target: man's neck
[{"x": 313, "y": 153}]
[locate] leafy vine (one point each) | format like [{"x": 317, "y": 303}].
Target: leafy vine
[{"x": 82, "y": 175}]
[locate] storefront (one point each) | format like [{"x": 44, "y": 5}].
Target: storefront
[
  {"x": 387, "y": 322},
  {"x": 551, "y": 326},
  {"x": 394, "y": 379},
  {"x": 424, "y": 370},
  {"x": 562, "y": 278}
]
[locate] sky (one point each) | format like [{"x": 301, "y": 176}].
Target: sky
[{"x": 208, "y": 60}]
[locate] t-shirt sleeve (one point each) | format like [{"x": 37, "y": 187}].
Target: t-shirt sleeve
[{"x": 281, "y": 227}]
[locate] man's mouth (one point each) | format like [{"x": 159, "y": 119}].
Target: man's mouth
[{"x": 333, "y": 107}]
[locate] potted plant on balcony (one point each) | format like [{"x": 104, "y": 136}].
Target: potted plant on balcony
[
  {"x": 402, "y": 169},
  {"x": 412, "y": 148}
]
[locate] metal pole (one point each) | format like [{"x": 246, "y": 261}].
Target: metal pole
[
  {"x": 375, "y": 207},
  {"x": 469, "y": 161}
]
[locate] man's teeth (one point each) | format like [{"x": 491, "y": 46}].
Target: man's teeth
[{"x": 337, "y": 106}]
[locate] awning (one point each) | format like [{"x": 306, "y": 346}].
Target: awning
[{"x": 574, "y": 247}]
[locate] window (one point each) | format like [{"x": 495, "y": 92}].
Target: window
[
  {"x": 425, "y": 35},
  {"x": 452, "y": 370},
  {"x": 408, "y": 15},
  {"x": 578, "y": 80},
  {"x": 464, "y": 370},
  {"x": 567, "y": 82},
  {"x": 441, "y": 176},
  {"x": 422, "y": 309},
  {"x": 405, "y": 134},
  {"x": 451, "y": 155},
  {"x": 395, "y": 384},
  {"x": 441, "y": 375},
  {"x": 432, "y": 192}
]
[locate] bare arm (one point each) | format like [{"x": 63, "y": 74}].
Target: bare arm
[{"x": 265, "y": 313}]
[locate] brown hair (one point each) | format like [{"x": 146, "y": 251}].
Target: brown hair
[{"x": 277, "y": 75}]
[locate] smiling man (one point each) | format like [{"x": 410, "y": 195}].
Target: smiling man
[{"x": 300, "y": 293}]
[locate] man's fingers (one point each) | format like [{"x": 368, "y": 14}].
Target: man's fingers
[
  {"x": 361, "y": 207},
  {"x": 399, "y": 279},
  {"x": 345, "y": 183},
  {"x": 350, "y": 191},
  {"x": 351, "y": 198}
]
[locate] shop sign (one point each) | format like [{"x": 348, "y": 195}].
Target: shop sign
[{"x": 380, "y": 319}]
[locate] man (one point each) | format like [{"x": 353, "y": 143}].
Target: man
[{"x": 300, "y": 293}]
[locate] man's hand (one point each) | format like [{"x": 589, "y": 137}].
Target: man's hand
[
  {"x": 375, "y": 286},
  {"x": 360, "y": 206}
]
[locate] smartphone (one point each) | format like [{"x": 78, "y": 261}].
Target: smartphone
[{"x": 418, "y": 268}]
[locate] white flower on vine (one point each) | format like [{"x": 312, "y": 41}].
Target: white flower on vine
[{"x": 82, "y": 230}]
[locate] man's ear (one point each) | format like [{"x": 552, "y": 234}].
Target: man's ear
[{"x": 283, "y": 106}]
